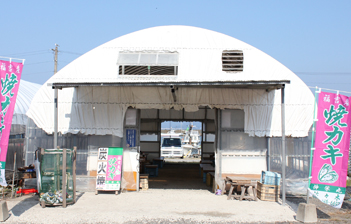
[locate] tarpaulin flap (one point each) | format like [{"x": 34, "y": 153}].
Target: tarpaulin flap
[{"x": 100, "y": 110}]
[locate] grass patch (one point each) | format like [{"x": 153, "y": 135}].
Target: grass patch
[{"x": 348, "y": 183}]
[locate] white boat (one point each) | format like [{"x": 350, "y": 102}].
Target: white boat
[{"x": 191, "y": 143}]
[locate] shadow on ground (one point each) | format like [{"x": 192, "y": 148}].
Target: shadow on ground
[
  {"x": 297, "y": 200},
  {"x": 30, "y": 202},
  {"x": 24, "y": 205}
]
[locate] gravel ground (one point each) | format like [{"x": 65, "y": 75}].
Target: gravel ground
[
  {"x": 326, "y": 213},
  {"x": 151, "y": 206}
]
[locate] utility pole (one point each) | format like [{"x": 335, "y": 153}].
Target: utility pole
[
  {"x": 55, "y": 60},
  {"x": 55, "y": 101}
]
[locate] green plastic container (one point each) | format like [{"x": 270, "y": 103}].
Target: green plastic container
[{"x": 51, "y": 176}]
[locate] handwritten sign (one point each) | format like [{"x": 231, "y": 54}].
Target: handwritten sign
[{"x": 109, "y": 169}]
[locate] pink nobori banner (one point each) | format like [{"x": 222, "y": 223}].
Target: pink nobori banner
[
  {"x": 332, "y": 140},
  {"x": 10, "y": 73},
  {"x": 331, "y": 151}
]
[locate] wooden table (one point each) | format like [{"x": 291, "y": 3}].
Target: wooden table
[{"x": 240, "y": 184}]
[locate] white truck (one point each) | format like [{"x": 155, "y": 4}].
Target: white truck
[{"x": 172, "y": 147}]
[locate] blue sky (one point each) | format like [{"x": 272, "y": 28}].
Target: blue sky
[{"x": 311, "y": 38}]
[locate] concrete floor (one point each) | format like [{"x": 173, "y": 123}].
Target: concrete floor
[
  {"x": 177, "y": 195},
  {"x": 151, "y": 206},
  {"x": 180, "y": 175}
]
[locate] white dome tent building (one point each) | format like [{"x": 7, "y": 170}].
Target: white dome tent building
[
  {"x": 25, "y": 94},
  {"x": 176, "y": 73}
]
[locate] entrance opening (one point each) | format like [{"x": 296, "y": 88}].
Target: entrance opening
[
  {"x": 181, "y": 140},
  {"x": 178, "y": 143}
]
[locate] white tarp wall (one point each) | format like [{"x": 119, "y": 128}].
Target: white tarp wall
[
  {"x": 26, "y": 92},
  {"x": 100, "y": 110}
]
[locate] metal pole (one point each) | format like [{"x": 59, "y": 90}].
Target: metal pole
[
  {"x": 55, "y": 118},
  {"x": 283, "y": 142},
  {"x": 55, "y": 100},
  {"x": 268, "y": 154},
  {"x": 219, "y": 145},
  {"x": 64, "y": 163},
  {"x": 138, "y": 149},
  {"x": 14, "y": 175},
  {"x": 74, "y": 173},
  {"x": 312, "y": 141}
]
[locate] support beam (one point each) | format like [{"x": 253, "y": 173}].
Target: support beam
[
  {"x": 55, "y": 117},
  {"x": 268, "y": 154},
  {"x": 219, "y": 143},
  {"x": 64, "y": 177},
  {"x": 74, "y": 173},
  {"x": 283, "y": 143}
]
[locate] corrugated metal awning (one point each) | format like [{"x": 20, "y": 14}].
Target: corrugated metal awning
[{"x": 227, "y": 84}]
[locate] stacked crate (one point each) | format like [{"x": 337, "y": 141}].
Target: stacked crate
[
  {"x": 268, "y": 189},
  {"x": 144, "y": 181}
]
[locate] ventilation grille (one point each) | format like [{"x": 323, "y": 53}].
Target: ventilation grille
[
  {"x": 148, "y": 70},
  {"x": 148, "y": 63},
  {"x": 233, "y": 61}
]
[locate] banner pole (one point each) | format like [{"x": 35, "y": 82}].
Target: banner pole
[
  {"x": 316, "y": 92},
  {"x": 20, "y": 59},
  {"x": 283, "y": 143}
]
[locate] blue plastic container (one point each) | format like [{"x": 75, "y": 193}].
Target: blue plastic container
[{"x": 270, "y": 178}]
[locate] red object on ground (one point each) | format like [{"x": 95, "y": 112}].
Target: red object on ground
[{"x": 27, "y": 191}]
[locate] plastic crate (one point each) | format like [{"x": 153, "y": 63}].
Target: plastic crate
[
  {"x": 27, "y": 191},
  {"x": 270, "y": 178}
]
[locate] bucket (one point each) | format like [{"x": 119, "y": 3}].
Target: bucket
[{"x": 218, "y": 192}]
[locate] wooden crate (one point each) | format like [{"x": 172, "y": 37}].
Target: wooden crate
[
  {"x": 268, "y": 192},
  {"x": 268, "y": 189},
  {"x": 144, "y": 185},
  {"x": 144, "y": 181},
  {"x": 267, "y": 197}
]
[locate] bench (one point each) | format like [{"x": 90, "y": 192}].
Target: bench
[
  {"x": 152, "y": 170},
  {"x": 242, "y": 184}
]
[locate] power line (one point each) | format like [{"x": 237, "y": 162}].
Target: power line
[
  {"x": 30, "y": 53},
  {"x": 314, "y": 87},
  {"x": 312, "y": 81},
  {"x": 37, "y": 73},
  {"x": 38, "y": 63},
  {"x": 323, "y": 73},
  {"x": 68, "y": 52}
]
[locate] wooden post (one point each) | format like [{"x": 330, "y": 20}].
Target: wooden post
[
  {"x": 64, "y": 162},
  {"x": 74, "y": 172}
]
